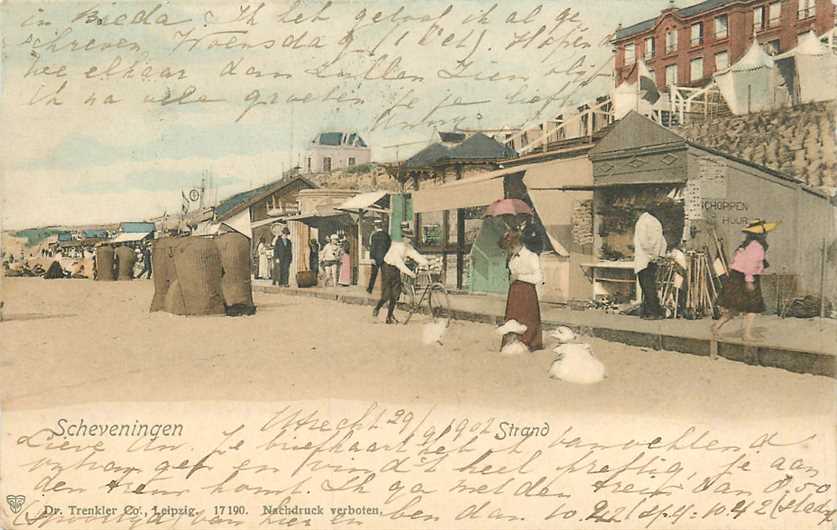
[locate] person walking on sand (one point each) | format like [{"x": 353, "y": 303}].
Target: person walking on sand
[
  {"x": 394, "y": 265},
  {"x": 282, "y": 256},
  {"x": 329, "y": 256},
  {"x": 379, "y": 244},
  {"x": 741, "y": 292},
  {"x": 522, "y": 300},
  {"x": 649, "y": 245}
]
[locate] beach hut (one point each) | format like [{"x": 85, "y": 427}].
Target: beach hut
[
  {"x": 704, "y": 197},
  {"x": 252, "y": 212},
  {"x": 318, "y": 218},
  {"x": 134, "y": 233}
]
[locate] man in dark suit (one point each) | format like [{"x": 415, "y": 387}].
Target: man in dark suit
[
  {"x": 282, "y": 256},
  {"x": 378, "y": 246}
]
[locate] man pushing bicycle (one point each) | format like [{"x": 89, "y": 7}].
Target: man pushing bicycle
[{"x": 394, "y": 265}]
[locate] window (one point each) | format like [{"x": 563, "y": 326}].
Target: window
[
  {"x": 807, "y": 8},
  {"x": 775, "y": 14},
  {"x": 759, "y": 19},
  {"x": 308, "y": 164},
  {"x": 696, "y": 69},
  {"x": 352, "y": 161},
  {"x": 326, "y": 163},
  {"x": 630, "y": 53},
  {"x": 721, "y": 61},
  {"x": 773, "y": 47},
  {"x": 671, "y": 75},
  {"x": 650, "y": 48},
  {"x": 671, "y": 41},
  {"x": 721, "y": 27},
  {"x": 697, "y": 34}
]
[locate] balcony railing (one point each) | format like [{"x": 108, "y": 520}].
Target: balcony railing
[{"x": 806, "y": 12}]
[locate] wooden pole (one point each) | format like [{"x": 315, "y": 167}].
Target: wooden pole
[
  {"x": 460, "y": 247},
  {"x": 445, "y": 237},
  {"x": 822, "y": 281}
]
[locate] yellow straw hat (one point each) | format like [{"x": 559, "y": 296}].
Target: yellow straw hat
[{"x": 760, "y": 226}]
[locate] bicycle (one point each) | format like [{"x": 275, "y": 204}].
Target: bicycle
[{"x": 436, "y": 294}]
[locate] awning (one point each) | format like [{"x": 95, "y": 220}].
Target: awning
[
  {"x": 240, "y": 222},
  {"x": 600, "y": 185},
  {"x": 321, "y": 215},
  {"x": 130, "y": 238},
  {"x": 366, "y": 201},
  {"x": 555, "y": 206},
  {"x": 466, "y": 193},
  {"x": 268, "y": 221}
]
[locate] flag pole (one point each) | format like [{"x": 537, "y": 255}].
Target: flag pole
[{"x": 637, "y": 86}]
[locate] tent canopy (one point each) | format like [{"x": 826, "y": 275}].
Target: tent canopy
[
  {"x": 808, "y": 44},
  {"x": 130, "y": 237},
  {"x": 322, "y": 214},
  {"x": 754, "y": 59},
  {"x": 377, "y": 200}
]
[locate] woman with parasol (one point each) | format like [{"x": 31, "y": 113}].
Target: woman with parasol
[
  {"x": 742, "y": 291},
  {"x": 525, "y": 274}
]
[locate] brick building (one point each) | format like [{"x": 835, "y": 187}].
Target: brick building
[{"x": 686, "y": 46}]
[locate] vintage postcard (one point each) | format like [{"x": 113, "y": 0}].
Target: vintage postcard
[{"x": 418, "y": 264}]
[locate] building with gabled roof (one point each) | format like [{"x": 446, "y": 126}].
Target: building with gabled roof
[
  {"x": 336, "y": 150},
  {"x": 458, "y": 149},
  {"x": 703, "y": 197}
]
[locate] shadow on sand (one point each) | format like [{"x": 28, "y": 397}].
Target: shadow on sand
[{"x": 16, "y": 317}]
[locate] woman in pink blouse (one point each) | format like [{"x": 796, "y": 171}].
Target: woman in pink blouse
[{"x": 742, "y": 291}]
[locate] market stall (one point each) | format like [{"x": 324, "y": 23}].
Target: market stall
[
  {"x": 703, "y": 199},
  {"x": 364, "y": 208}
]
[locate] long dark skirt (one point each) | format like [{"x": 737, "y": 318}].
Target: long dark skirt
[
  {"x": 522, "y": 305},
  {"x": 736, "y": 298}
]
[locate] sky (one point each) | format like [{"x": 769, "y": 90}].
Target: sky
[{"x": 97, "y": 162}]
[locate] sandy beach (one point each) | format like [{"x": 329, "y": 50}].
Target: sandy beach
[{"x": 76, "y": 341}]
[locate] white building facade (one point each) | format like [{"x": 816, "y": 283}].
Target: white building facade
[{"x": 329, "y": 151}]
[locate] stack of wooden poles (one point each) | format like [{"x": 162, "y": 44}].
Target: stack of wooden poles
[{"x": 702, "y": 279}]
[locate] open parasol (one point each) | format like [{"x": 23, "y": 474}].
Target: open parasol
[{"x": 507, "y": 207}]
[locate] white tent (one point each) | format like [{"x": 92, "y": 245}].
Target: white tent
[
  {"x": 130, "y": 237},
  {"x": 747, "y": 86},
  {"x": 814, "y": 69},
  {"x": 625, "y": 99}
]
